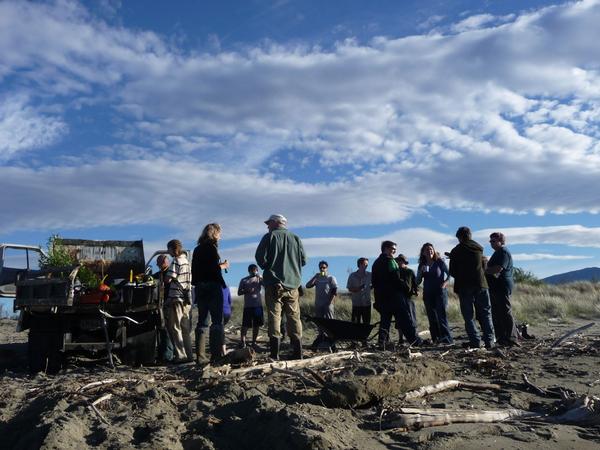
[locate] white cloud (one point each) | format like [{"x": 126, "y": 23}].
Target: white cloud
[
  {"x": 546, "y": 256},
  {"x": 571, "y": 235},
  {"x": 24, "y": 127},
  {"x": 504, "y": 118}
]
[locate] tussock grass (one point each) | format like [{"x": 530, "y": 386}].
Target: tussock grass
[{"x": 531, "y": 303}]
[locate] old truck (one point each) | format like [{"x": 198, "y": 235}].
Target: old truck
[{"x": 120, "y": 316}]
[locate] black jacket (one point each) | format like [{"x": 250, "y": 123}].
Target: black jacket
[
  {"x": 205, "y": 265},
  {"x": 389, "y": 284},
  {"x": 466, "y": 266}
]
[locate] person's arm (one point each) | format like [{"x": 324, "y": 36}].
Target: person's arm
[
  {"x": 495, "y": 269},
  {"x": 445, "y": 274},
  {"x": 171, "y": 272},
  {"x": 302, "y": 253},
  {"x": 351, "y": 286},
  {"x": 333, "y": 288},
  {"x": 242, "y": 287},
  {"x": 419, "y": 274},
  {"x": 261, "y": 252},
  {"x": 414, "y": 288},
  {"x": 311, "y": 283}
]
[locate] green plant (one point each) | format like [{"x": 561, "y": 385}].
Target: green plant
[
  {"x": 522, "y": 276},
  {"x": 88, "y": 278},
  {"x": 56, "y": 254}
]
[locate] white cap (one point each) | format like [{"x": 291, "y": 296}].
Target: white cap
[{"x": 279, "y": 218}]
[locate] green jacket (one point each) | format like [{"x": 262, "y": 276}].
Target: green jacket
[
  {"x": 466, "y": 266},
  {"x": 280, "y": 255}
]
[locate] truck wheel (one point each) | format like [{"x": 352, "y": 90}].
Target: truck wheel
[
  {"x": 141, "y": 349},
  {"x": 43, "y": 351}
]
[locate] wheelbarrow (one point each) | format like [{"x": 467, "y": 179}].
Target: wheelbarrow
[{"x": 341, "y": 330}]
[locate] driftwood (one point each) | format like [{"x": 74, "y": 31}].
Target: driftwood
[
  {"x": 537, "y": 389},
  {"x": 316, "y": 375},
  {"x": 298, "y": 375},
  {"x": 102, "y": 399},
  {"x": 447, "y": 385},
  {"x": 571, "y": 333},
  {"x": 299, "y": 363},
  {"x": 415, "y": 418},
  {"x": 97, "y": 383},
  {"x": 583, "y": 411}
]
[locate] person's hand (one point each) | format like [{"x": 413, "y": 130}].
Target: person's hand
[
  {"x": 444, "y": 285},
  {"x": 224, "y": 265}
]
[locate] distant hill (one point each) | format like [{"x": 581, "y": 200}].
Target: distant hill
[{"x": 587, "y": 274}]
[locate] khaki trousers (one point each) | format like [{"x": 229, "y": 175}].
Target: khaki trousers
[
  {"x": 278, "y": 298},
  {"x": 179, "y": 326}
]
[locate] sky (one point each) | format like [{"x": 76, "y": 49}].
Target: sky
[{"x": 359, "y": 121}]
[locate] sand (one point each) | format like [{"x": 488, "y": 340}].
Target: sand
[{"x": 176, "y": 407}]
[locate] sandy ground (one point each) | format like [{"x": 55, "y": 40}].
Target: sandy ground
[{"x": 184, "y": 407}]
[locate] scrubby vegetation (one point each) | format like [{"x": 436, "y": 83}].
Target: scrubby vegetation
[
  {"x": 57, "y": 255},
  {"x": 532, "y": 302}
]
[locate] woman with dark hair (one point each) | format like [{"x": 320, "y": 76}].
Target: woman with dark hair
[
  {"x": 433, "y": 272},
  {"x": 209, "y": 283}
]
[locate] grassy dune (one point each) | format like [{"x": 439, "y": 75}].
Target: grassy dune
[{"x": 531, "y": 303}]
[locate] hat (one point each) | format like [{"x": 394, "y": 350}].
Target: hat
[
  {"x": 277, "y": 218},
  {"x": 402, "y": 258}
]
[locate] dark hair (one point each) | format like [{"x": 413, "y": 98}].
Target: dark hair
[
  {"x": 175, "y": 244},
  {"x": 499, "y": 237},
  {"x": 323, "y": 263},
  {"x": 422, "y": 259},
  {"x": 359, "y": 261},
  {"x": 251, "y": 267},
  {"x": 209, "y": 234},
  {"x": 387, "y": 244},
  {"x": 463, "y": 233}
]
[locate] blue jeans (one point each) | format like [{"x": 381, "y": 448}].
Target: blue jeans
[
  {"x": 479, "y": 299},
  {"x": 400, "y": 308},
  {"x": 436, "y": 304},
  {"x": 209, "y": 298},
  {"x": 165, "y": 346}
]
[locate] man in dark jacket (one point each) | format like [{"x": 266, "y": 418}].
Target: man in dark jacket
[
  {"x": 466, "y": 266},
  {"x": 392, "y": 296},
  {"x": 499, "y": 272}
]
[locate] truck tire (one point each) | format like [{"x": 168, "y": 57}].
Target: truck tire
[
  {"x": 141, "y": 349},
  {"x": 43, "y": 351}
]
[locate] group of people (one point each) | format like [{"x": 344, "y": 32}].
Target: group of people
[{"x": 484, "y": 289}]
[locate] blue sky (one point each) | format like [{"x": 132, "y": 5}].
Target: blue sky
[{"x": 359, "y": 121}]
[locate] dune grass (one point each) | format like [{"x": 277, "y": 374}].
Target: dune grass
[{"x": 531, "y": 303}]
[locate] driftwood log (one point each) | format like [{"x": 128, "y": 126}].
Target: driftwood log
[
  {"x": 263, "y": 369},
  {"x": 447, "y": 385},
  {"x": 416, "y": 418},
  {"x": 363, "y": 391},
  {"x": 582, "y": 411},
  {"x": 571, "y": 333}
]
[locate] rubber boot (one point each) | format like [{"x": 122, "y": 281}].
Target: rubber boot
[
  {"x": 201, "y": 348},
  {"x": 274, "y": 347},
  {"x": 296, "y": 349}
]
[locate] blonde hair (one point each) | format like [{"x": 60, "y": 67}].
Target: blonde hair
[{"x": 209, "y": 234}]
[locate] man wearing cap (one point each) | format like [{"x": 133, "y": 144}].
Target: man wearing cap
[
  {"x": 466, "y": 267},
  {"x": 499, "y": 274},
  {"x": 280, "y": 255},
  {"x": 410, "y": 289}
]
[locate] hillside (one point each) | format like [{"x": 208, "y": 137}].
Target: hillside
[{"x": 587, "y": 274}]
